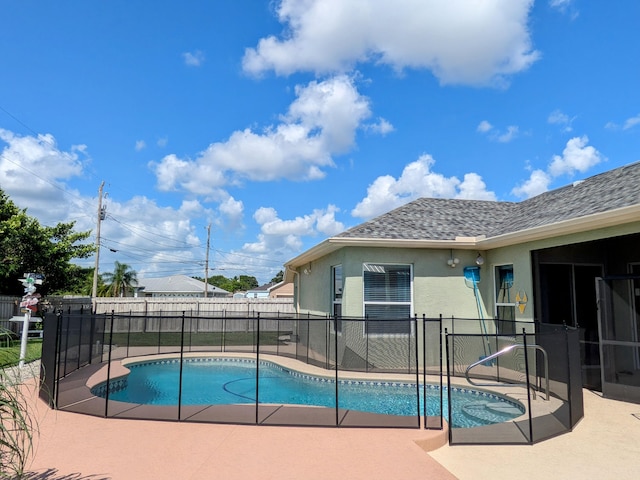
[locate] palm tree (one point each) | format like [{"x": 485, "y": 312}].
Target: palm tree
[{"x": 121, "y": 281}]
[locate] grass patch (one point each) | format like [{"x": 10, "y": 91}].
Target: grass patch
[{"x": 10, "y": 356}]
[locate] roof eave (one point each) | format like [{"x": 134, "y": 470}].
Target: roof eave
[
  {"x": 610, "y": 218},
  {"x": 335, "y": 243},
  {"x": 596, "y": 221}
]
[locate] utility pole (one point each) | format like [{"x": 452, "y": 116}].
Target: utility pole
[
  {"x": 206, "y": 264},
  {"x": 101, "y": 216}
]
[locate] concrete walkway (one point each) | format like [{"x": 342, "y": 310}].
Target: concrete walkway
[
  {"x": 605, "y": 444},
  {"x": 72, "y": 446}
]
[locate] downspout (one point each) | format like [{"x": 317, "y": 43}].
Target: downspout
[{"x": 297, "y": 290}]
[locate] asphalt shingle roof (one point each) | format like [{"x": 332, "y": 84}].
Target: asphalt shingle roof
[{"x": 446, "y": 219}]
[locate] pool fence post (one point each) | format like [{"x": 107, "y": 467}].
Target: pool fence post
[
  {"x": 417, "y": 365},
  {"x": 129, "y": 332},
  {"x": 526, "y": 369},
  {"x": 80, "y": 341},
  {"x": 106, "y": 397},
  {"x": 446, "y": 334},
  {"x": 441, "y": 383},
  {"x": 159, "y": 328},
  {"x": 181, "y": 370},
  {"x": 257, "y": 367},
  {"x": 424, "y": 369},
  {"x": 56, "y": 367},
  {"x": 335, "y": 329}
]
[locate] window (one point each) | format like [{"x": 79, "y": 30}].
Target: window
[
  {"x": 387, "y": 298},
  {"x": 336, "y": 295},
  {"x": 505, "y": 298}
]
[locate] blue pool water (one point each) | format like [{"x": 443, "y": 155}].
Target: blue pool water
[{"x": 219, "y": 381}]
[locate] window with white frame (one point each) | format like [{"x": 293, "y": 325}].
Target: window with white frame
[
  {"x": 336, "y": 295},
  {"x": 387, "y": 297}
]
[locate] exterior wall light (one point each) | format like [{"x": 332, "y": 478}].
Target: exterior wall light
[
  {"x": 479, "y": 259},
  {"x": 453, "y": 261}
]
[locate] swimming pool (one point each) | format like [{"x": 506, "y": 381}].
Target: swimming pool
[{"x": 224, "y": 381}]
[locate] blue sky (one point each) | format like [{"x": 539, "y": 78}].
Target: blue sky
[{"x": 281, "y": 123}]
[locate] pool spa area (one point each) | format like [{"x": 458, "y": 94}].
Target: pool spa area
[{"x": 474, "y": 388}]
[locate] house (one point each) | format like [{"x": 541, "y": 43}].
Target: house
[
  {"x": 552, "y": 258},
  {"x": 177, "y": 286},
  {"x": 281, "y": 290},
  {"x": 271, "y": 290},
  {"x": 259, "y": 292}
]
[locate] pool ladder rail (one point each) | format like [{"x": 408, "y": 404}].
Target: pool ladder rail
[{"x": 504, "y": 351}]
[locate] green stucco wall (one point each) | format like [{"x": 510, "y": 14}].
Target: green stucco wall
[{"x": 438, "y": 289}]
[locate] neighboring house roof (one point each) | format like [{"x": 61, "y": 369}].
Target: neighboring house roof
[
  {"x": 176, "y": 284},
  {"x": 261, "y": 291},
  {"x": 610, "y": 198},
  {"x": 261, "y": 288}
]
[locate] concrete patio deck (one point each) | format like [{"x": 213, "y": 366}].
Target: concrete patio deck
[{"x": 605, "y": 444}]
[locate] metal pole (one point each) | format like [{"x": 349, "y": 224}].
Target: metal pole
[
  {"x": 106, "y": 398},
  {"x": 94, "y": 290},
  {"x": 417, "y": 344},
  {"x": 335, "y": 328},
  {"x": 446, "y": 334},
  {"x": 424, "y": 369},
  {"x": 181, "y": 369},
  {"x": 206, "y": 264},
  {"x": 526, "y": 369},
  {"x": 257, "y": 369},
  {"x": 25, "y": 334}
]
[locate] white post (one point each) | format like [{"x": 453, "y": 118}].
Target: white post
[{"x": 25, "y": 334}]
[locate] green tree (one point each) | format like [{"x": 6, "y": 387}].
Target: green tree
[
  {"x": 121, "y": 281},
  {"x": 278, "y": 278},
  {"x": 26, "y": 246},
  {"x": 243, "y": 282}
]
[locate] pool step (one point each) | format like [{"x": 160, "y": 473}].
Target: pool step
[
  {"x": 504, "y": 408},
  {"x": 490, "y": 412}
]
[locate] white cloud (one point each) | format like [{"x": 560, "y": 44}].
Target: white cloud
[
  {"x": 417, "y": 180},
  {"x": 631, "y": 122},
  {"x": 510, "y": 134},
  {"x": 193, "y": 59},
  {"x": 32, "y": 171},
  {"x": 577, "y": 156},
  {"x": 537, "y": 183},
  {"x": 282, "y": 238},
  {"x": 163, "y": 235},
  {"x": 382, "y": 127},
  {"x": 558, "y": 118},
  {"x": 140, "y": 145},
  {"x": 320, "y": 123},
  {"x": 496, "y": 135},
  {"x": 565, "y": 6},
  {"x": 162, "y": 142},
  {"x": 484, "y": 126},
  {"x": 461, "y": 42},
  {"x": 473, "y": 187},
  {"x": 232, "y": 211}
]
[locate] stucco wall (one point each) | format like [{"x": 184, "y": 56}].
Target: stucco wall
[{"x": 438, "y": 289}]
